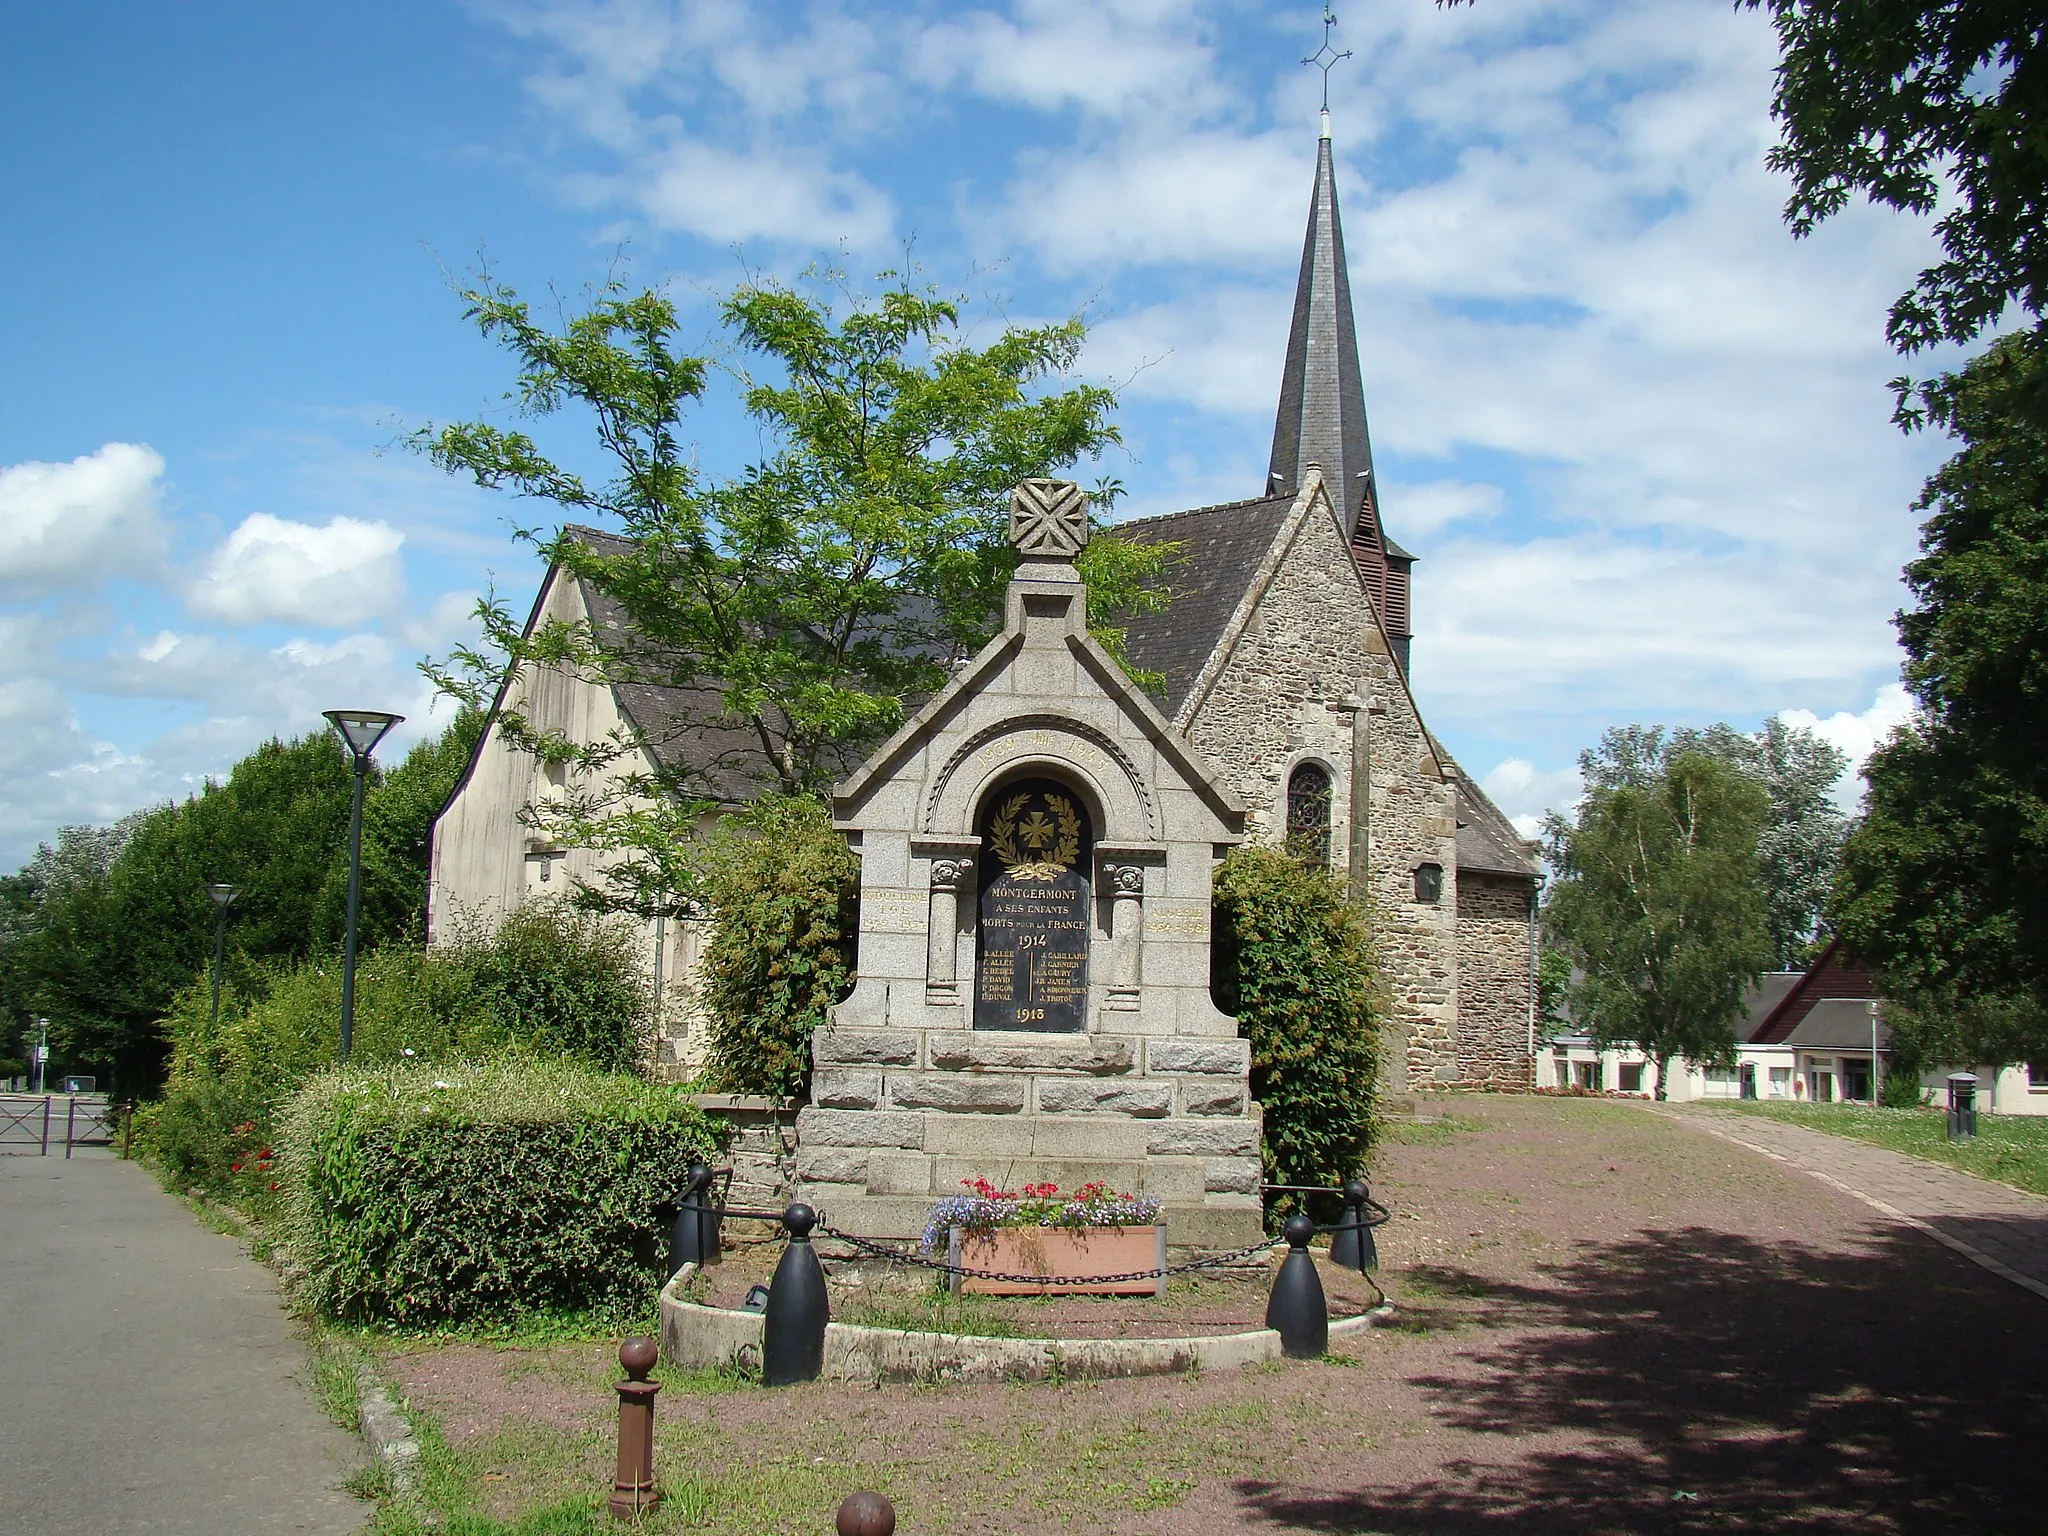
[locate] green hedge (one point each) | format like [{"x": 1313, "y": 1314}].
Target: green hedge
[
  {"x": 478, "y": 1192},
  {"x": 548, "y": 981},
  {"x": 1296, "y": 962}
]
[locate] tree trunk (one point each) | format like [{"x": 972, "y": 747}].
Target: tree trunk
[{"x": 1663, "y": 1071}]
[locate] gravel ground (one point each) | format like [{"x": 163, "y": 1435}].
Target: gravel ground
[{"x": 1606, "y": 1324}]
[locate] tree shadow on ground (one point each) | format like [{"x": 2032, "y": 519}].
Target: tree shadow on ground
[{"x": 1700, "y": 1381}]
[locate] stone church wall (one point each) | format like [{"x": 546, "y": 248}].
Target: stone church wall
[
  {"x": 1308, "y": 643},
  {"x": 1493, "y": 982}
]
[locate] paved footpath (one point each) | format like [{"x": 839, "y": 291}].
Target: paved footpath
[
  {"x": 1995, "y": 1225},
  {"x": 149, "y": 1380}
]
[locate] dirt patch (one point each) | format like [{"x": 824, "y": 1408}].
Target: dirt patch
[
  {"x": 1606, "y": 1323},
  {"x": 473, "y": 1389}
]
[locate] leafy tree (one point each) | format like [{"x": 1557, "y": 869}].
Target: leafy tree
[
  {"x": 801, "y": 602},
  {"x": 55, "y": 928},
  {"x": 1656, "y": 897},
  {"x": 1801, "y": 845},
  {"x": 101, "y": 931},
  {"x": 1925, "y": 106},
  {"x": 1936, "y": 107},
  {"x": 782, "y": 889},
  {"x": 1295, "y": 960},
  {"x": 1941, "y": 887},
  {"x": 1553, "y": 986}
]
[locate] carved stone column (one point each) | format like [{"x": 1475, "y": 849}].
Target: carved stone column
[
  {"x": 1126, "y": 933},
  {"x": 942, "y": 937}
]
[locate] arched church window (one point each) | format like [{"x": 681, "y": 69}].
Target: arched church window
[{"x": 1308, "y": 813}]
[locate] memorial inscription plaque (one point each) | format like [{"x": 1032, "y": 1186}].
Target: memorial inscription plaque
[{"x": 1032, "y": 965}]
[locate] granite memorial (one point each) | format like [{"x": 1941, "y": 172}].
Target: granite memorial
[{"x": 1037, "y": 847}]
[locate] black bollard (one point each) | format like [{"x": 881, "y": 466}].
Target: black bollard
[
  {"x": 1296, "y": 1310},
  {"x": 694, "y": 1237},
  {"x": 1351, "y": 1245},
  {"x": 793, "y": 1324},
  {"x": 1962, "y": 1106}
]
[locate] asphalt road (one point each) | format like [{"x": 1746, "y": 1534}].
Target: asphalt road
[{"x": 149, "y": 1379}]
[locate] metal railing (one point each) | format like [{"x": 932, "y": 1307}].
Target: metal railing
[{"x": 43, "y": 1122}]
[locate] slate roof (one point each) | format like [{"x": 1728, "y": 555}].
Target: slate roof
[
  {"x": 1834, "y": 975},
  {"x": 1838, "y": 1023},
  {"x": 1487, "y": 841},
  {"x": 683, "y": 727},
  {"x": 1207, "y": 577},
  {"x": 1761, "y": 1000}
]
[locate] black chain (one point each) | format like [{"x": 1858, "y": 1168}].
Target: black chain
[{"x": 945, "y": 1266}]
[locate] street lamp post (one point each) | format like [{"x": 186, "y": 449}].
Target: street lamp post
[
  {"x": 362, "y": 729},
  {"x": 1873, "y": 1053},
  {"x": 222, "y": 895}
]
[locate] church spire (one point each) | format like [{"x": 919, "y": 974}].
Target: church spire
[
  {"x": 1322, "y": 402},
  {"x": 1322, "y": 399}
]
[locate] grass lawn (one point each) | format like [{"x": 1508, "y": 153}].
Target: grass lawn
[{"x": 2010, "y": 1148}]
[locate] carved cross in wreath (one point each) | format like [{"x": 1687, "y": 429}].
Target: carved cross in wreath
[{"x": 1048, "y": 519}]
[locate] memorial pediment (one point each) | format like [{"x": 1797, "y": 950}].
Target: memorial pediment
[{"x": 1037, "y": 847}]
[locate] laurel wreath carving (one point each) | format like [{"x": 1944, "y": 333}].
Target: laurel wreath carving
[{"x": 1060, "y": 845}]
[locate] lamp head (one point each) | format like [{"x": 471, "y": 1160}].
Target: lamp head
[
  {"x": 221, "y": 894},
  {"x": 362, "y": 729}
]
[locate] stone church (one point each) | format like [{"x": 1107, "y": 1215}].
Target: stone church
[{"x": 1285, "y": 644}]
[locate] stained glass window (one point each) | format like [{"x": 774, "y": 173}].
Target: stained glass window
[{"x": 1308, "y": 813}]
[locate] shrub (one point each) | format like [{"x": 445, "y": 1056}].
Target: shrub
[
  {"x": 1295, "y": 961},
  {"x": 550, "y": 981},
  {"x": 478, "y": 1191},
  {"x": 782, "y": 887}
]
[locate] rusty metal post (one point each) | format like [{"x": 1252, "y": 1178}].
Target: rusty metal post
[
  {"x": 866, "y": 1513},
  {"x": 633, "y": 1491}
]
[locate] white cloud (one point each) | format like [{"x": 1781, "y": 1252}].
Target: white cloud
[
  {"x": 333, "y": 576},
  {"x": 73, "y": 525},
  {"x": 1432, "y": 507},
  {"x": 721, "y": 120},
  {"x": 1857, "y": 734},
  {"x": 1526, "y": 793},
  {"x": 1113, "y": 58},
  {"x": 728, "y": 196},
  {"x": 1197, "y": 197}
]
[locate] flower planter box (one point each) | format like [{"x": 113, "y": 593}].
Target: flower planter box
[{"x": 1076, "y": 1254}]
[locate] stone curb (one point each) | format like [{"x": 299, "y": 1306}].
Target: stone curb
[
  {"x": 697, "y": 1337},
  {"x": 1947, "y": 1240},
  {"x": 387, "y": 1434}
]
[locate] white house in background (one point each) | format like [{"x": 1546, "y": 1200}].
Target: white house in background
[{"x": 1807, "y": 1036}]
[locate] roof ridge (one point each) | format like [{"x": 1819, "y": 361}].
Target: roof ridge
[{"x": 1217, "y": 506}]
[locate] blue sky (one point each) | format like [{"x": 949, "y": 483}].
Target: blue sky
[{"x": 1637, "y": 434}]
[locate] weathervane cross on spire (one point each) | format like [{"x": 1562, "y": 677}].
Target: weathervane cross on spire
[{"x": 1327, "y": 58}]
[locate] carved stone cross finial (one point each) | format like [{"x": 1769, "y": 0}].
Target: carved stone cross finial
[{"x": 1048, "y": 519}]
